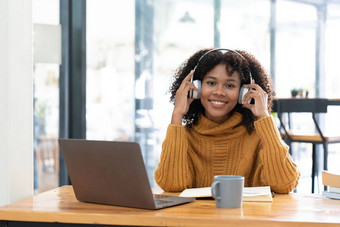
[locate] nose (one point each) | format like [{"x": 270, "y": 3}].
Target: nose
[{"x": 220, "y": 90}]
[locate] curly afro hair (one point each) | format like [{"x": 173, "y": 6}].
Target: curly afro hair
[{"x": 233, "y": 63}]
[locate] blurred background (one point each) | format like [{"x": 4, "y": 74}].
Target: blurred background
[{"x": 129, "y": 50}]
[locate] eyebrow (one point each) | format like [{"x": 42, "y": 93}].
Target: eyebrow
[{"x": 229, "y": 79}]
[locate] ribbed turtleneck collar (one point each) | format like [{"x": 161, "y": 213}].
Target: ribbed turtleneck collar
[{"x": 206, "y": 127}]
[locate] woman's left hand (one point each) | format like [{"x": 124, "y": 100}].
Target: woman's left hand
[{"x": 260, "y": 107}]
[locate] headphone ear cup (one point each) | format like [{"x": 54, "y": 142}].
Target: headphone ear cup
[
  {"x": 243, "y": 92},
  {"x": 198, "y": 85}
]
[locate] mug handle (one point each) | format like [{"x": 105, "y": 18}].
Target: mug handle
[{"x": 213, "y": 190}]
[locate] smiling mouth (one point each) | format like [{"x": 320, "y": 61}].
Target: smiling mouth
[{"x": 217, "y": 102}]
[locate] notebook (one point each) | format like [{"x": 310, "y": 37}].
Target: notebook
[
  {"x": 332, "y": 181},
  {"x": 250, "y": 194},
  {"x": 113, "y": 173}
]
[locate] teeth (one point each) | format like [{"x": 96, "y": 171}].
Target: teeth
[{"x": 217, "y": 102}]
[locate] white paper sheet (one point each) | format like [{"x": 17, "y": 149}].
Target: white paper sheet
[{"x": 262, "y": 193}]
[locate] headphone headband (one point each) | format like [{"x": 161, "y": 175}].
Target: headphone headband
[{"x": 217, "y": 49}]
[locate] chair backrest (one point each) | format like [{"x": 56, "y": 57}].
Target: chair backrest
[{"x": 316, "y": 105}]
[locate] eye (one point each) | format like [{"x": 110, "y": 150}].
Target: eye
[
  {"x": 211, "y": 83},
  {"x": 230, "y": 85}
]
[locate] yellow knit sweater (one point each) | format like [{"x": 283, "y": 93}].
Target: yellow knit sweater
[{"x": 192, "y": 157}]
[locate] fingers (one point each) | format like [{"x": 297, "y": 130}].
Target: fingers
[
  {"x": 254, "y": 90},
  {"x": 247, "y": 105},
  {"x": 182, "y": 101},
  {"x": 253, "y": 94},
  {"x": 190, "y": 100},
  {"x": 254, "y": 86},
  {"x": 187, "y": 84},
  {"x": 188, "y": 77}
]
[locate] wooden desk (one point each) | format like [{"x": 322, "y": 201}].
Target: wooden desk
[
  {"x": 299, "y": 103},
  {"x": 334, "y": 102},
  {"x": 59, "y": 206}
]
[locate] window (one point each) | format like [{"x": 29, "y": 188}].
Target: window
[
  {"x": 127, "y": 95},
  {"x": 181, "y": 28},
  {"x": 46, "y": 103},
  {"x": 332, "y": 71},
  {"x": 295, "y": 47},
  {"x": 110, "y": 70},
  {"x": 245, "y": 25}
]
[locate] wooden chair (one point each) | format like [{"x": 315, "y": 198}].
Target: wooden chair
[
  {"x": 48, "y": 153},
  {"x": 315, "y": 107}
]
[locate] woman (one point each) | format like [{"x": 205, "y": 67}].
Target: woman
[{"x": 221, "y": 136}]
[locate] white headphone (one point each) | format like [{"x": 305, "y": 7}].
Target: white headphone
[{"x": 198, "y": 83}]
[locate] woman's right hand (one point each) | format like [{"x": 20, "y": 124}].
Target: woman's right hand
[{"x": 182, "y": 102}]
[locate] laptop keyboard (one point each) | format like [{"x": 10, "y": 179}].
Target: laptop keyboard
[
  {"x": 167, "y": 200},
  {"x": 164, "y": 199},
  {"x": 160, "y": 202},
  {"x": 161, "y": 199},
  {"x": 155, "y": 196}
]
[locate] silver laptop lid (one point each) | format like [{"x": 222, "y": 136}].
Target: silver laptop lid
[{"x": 108, "y": 172}]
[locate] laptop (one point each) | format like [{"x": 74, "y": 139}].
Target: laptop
[{"x": 113, "y": 173}]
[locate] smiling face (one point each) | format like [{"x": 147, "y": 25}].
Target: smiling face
[{"x": 219, "y": 93}]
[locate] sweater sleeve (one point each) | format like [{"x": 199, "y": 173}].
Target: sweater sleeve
[
  {"x": 276, "y": 168},
  {"x": 174, "y": 172}
]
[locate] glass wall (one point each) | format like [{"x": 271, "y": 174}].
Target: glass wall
[
  {"x": 46, "y": 102},
  {"x": 129, "y": 72},
  {"x": 295, "y": 47},
  {"x": 110, "y": 69},
  {"x": 181, "y": 28},
  {"x": 332, "y": 80},
  {"x": 332, "y": 51},
  {"x": 245, "y": 25},
  {"x": 295, "y": 69}
]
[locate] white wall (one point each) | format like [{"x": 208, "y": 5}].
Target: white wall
[{"x": 16, "y": 100}]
